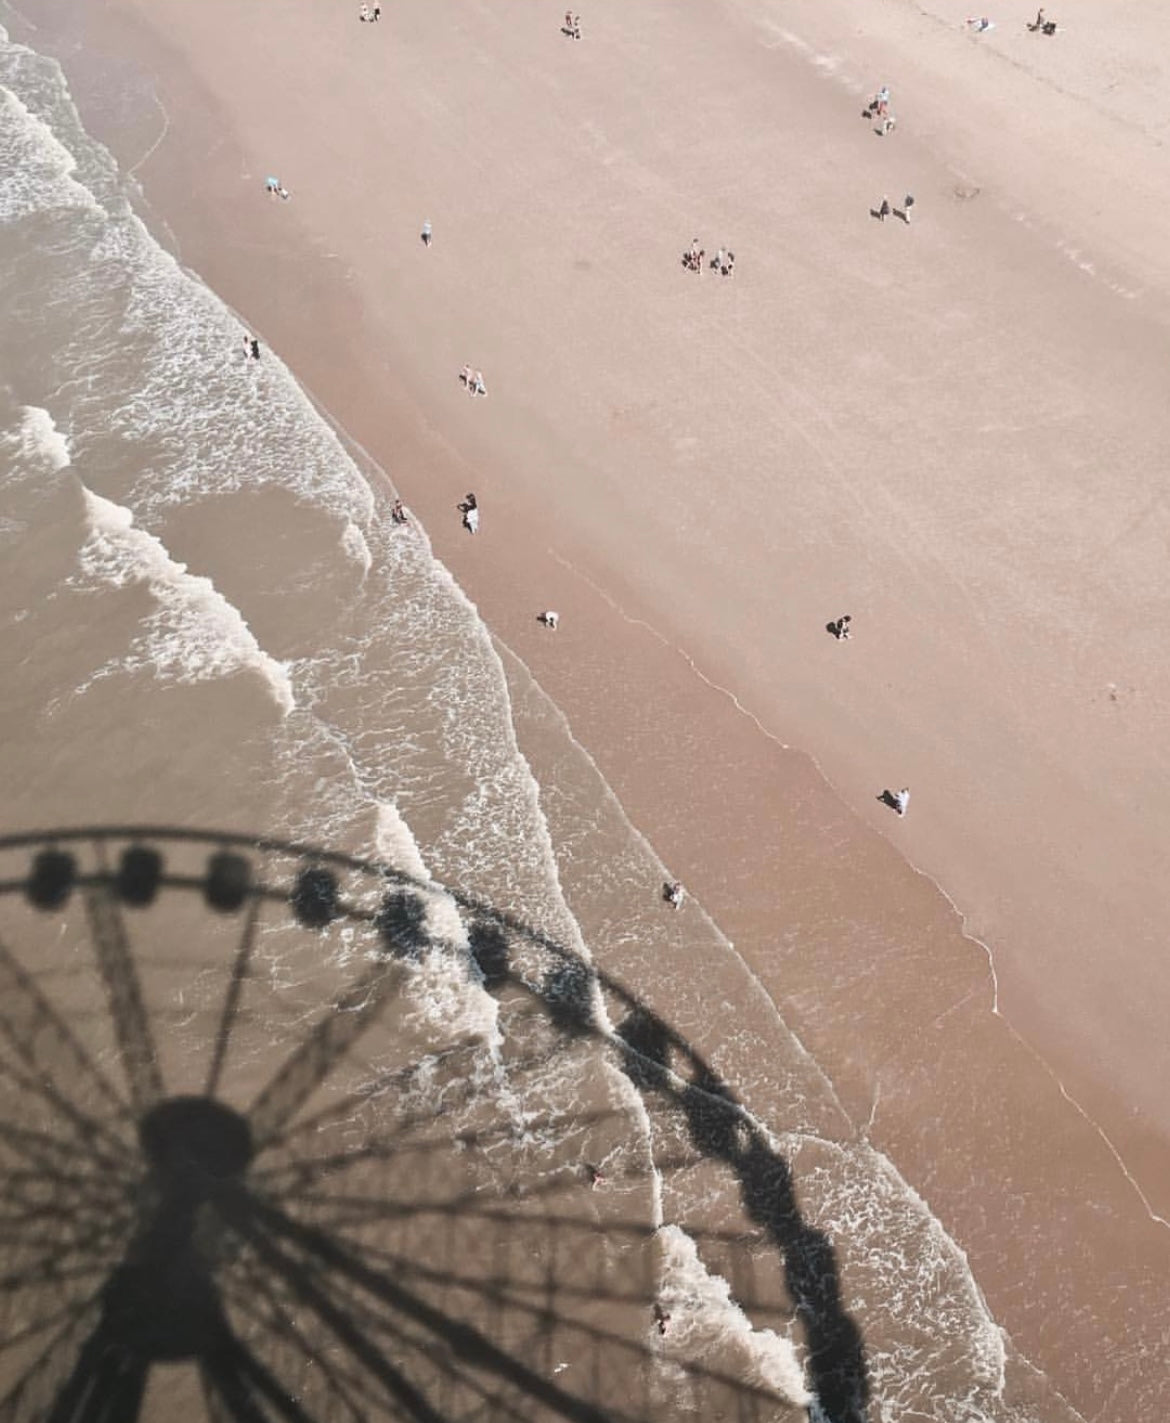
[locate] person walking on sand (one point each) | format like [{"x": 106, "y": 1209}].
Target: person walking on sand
[
  {"x": 841, "y": 627},
  {"x": 907, "y": 204},
  {"x": 426, "y": 233},
  {"x": 364, "y": 13},
  {"x": 883, "y": 211},
  {"x": 477, "y": 385},
  {"x": 877, "y": 106},
  {"x": 576, "y": 27},
  {"x": 901, "y": 800},
  {"x": 377, "y": 15}
]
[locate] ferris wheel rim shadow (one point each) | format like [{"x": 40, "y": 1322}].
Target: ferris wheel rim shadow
[{"x": 185, "y": 1178}]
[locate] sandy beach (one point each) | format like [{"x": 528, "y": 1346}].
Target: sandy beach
[{"x": 952, "y": 428}]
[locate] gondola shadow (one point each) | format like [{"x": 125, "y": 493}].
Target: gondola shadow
[{"x": 343, "y": 1245}]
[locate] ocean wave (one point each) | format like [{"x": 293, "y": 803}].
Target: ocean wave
[
  {"x": 36, "y": 169},
  {"x": 704, "y": 1322},
  {"x": 195, "y": 634},
  {"x": 35, "y": 444},
  {"x": 403, "y": 719}
]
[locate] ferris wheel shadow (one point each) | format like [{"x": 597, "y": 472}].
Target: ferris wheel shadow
[{"x": 368, "y": 1234}]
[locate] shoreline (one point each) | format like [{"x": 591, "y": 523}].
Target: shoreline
[{"x": 648, "y": 768}]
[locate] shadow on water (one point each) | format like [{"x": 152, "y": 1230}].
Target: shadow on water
[{"x": 350, "y": 1253}]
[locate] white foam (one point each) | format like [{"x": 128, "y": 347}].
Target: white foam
[
  {"x": 35, "y": 445},
  {"x": 705, "y": 1321},
  {"x": 36, "y": 169},
  {"x": 394, "y": 844},
  {"x": 218, "y": 424},
  {"x": 447, "y": 1003},
  {"x": 195, "y": 634},
  {"x": 353, "y": 541}
]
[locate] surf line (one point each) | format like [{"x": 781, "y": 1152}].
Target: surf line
[
  {"x": 1095, "y": 1126},
  {"x": 681, "y": 651}
]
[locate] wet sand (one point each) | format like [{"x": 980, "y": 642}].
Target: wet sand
[{"x": 952, "y": 431}]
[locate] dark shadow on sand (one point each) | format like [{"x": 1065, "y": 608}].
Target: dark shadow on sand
[{"x": 157, "y": 1223}]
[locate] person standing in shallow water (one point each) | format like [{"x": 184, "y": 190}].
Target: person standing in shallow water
[{"x": 255, "y": 349}]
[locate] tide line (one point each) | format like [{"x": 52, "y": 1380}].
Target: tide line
[
  {"x": 166, "y": 127},
  {"x": 1106, "y": 1140}
]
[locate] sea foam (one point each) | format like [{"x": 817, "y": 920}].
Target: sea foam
[
  {"x": 195, "y": 633},
  {"x": 36, "y": 442}
]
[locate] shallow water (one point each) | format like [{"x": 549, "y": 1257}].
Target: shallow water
[{"x": 214, "y": 622}]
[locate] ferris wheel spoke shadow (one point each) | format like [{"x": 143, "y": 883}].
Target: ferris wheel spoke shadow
[
  {"x": 119, "y": 974},
  {"x": 254, "y": 1297},
  {"x": 35, "y": 1390},
  {"x": 434, "y": 1267},
  {"x": 400, "y": 1146},
  {"x": 241, "y": 965},
  {"x": 262, "y": 1226},
  {"x": 40, "y": 1173},
  {"x": 40, "y": 1036},
  {"x": 338, "y": 1321},
  {"x": 345, "y": 1020}
]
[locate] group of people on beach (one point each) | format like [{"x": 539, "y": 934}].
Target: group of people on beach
[
  {"x": 723, "y": 261},
  {"x": 1041, "y": 25},
  {"x": 883, "y": 209},
  {"x": 879, "y": 108},
  {"x": 694, "y": 260}
]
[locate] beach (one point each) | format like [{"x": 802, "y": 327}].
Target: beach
[{"x": 951, "y": 428}]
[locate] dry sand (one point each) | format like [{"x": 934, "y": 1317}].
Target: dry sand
[{"x": 954, "y": 431}]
